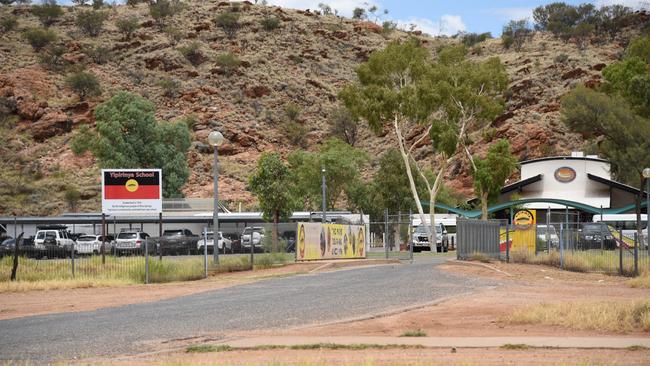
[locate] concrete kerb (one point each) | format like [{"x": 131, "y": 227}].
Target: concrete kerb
[
  {"x": 446, "y": 342},
  {"x": 477, "y": 264}
]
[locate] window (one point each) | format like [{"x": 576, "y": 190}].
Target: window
[
  {"x": 40, "y": 235},
  {"x": 127, "y": 236}
]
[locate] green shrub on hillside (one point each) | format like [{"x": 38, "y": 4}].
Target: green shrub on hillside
[
  {"x": 229, "y": 23},
  {"x": 52, "y": 58},
  {"x": 48, "y": 12},
  {"x": 163, "y": 9},
  {"x": 270, "y": 23},
  {"x": 91, "y": 22},
  {"x": 515, "y": 34},
  {"x": 192, "y": 52},
  {"x": 228, "y": 62},
  {"x": 470, "y": 39},
  {"x": 98, "y": 54},
  {"x": 84, "y": 85},
  {"x": 39, "y": 37},
  {"x": 8, "y": 23},
  {"x": 127, "y": 26}
]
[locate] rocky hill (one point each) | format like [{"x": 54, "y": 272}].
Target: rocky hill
[{"x": 303, "y": 62}]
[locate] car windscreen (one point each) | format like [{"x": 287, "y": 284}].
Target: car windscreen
[
  {"x": 86, "y": 238},
  {"x": 127, "y": 236},
  {"x": 173, "y": 233}
]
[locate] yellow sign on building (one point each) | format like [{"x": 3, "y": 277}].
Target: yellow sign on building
[{"x": 522, "y": 235}]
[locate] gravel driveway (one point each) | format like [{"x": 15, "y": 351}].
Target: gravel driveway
[{"x": 273, "y": 303}]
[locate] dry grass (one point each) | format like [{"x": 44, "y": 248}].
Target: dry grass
[
  {"x": 642, "y": 281},
  {"x": 583, "y": 261},
  {"x": 480, "y": 257},
  {"x": 91, "y": 272},
  {"x": 617, "y": 317}
]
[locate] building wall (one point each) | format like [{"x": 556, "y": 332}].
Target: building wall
[{"x": 580, "y": 189}]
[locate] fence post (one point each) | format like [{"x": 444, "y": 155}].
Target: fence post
[
  {"x": 562, "y": 245},
  {"x": 160, "y": 231},
  {"x": 252, "y": 248},
  {"x": 205, "y": 251},
  {"x": 104, "y": 238},
  {"x": 637, "y": 241},
  {"x": 386, "y": 232},
  {"x": 620, "y": 251},
  {"x": 146, "y": 261},
  {"x": 72, "y": 259},
  {"x": 410, "y": 236},
  {"x": 507, "y": 242}
]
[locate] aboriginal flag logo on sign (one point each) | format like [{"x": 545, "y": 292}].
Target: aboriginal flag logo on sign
[{"x": 144, "y": 185}]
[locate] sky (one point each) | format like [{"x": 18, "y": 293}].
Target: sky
[{"x": 448, "y": 17}]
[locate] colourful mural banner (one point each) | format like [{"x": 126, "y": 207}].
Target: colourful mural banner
[
  {"x": 330, "y": 241},
  {"x": 522, "y": 234}
]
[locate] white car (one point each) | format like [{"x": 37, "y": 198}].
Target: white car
[
  {"x": 56, "y": 234},
  {"x": 92, "y": 244},
  {"x": 257, "y": 234},
  {"x": 224, "y": 244}
]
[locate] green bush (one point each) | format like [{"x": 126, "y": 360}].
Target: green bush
[
  {"x": 39, "y": 37},
  {"x": 292, "y": 111},
  {"x": 228, "y": 62},
  {"x": 91, "y": 22},
  {"x": 98, "y": 4},
  {"x": 133, "y": 3},
  {"x": 516, "y": 33},
  {"x": 270, "y": 23},
  {"x": 295, "y": 132},
  {"x": 84, "y": 85},
  {"x": 8, "y": 23},
  {"x": 470, "y": 39},
  {"x": 562, "y": 58},
  {"x": 173, "y": 34},
  {"x": 229, "y": 23},
  {"x": 163, "y": 9},
  {"x": 52, "y": 58},
  {"x": 387, "y": 27},
  {"x": 170, "y": 87},
  {"x": 98, "y": 54},
  {"x": 48, "y": 12},
  {"x": 192, "y": 52},
  {"x": 127, "y": 26},
  {"x": 358, "y": 13}
]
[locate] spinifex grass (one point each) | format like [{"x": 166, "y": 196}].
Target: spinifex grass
[{"x": 608, "y": 316}]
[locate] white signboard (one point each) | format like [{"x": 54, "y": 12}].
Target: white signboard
[{"x": 131, "y": 192}]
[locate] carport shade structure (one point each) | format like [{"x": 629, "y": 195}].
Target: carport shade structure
[{"x": 498, "y": 207}]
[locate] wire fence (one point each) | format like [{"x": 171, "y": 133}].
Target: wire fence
[
  {"x": 583, "y": 247},
  {"x": 134, "y": 256}
]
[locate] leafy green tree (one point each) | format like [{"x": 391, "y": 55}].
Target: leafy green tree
[
  {"x": 440, "y": 100},
  {"x": 639, "y": 47},
  {"x": 271, "y": 183},
  {"x": 343, "y": 125},
  {"x": 358, "y": 13},
  {"x": 492, "y": 172},
  {"x": 516, "y": 33},
  {"x": 91, "y": 22},
  {"x": 229, "y": 23},
  {"x": 84, "y": 85},
  {"x": 621, "y": 135},
  {"x": 127, "y": 26},
  {"x": 127, "y": 135},
  {"x": 39, "y": 37},
  {"x": 48, "y": 12},
  {"x": 342, "y": 164},
  {"x": 160, "y": 10}
]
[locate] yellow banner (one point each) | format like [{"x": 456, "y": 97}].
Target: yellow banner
[
  {"x": 524, "y": 234},
  {"x": 330, "y": 241}
]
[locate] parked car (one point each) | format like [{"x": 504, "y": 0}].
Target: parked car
[
  {"x": 257, "y": 234},
  {"x": 132, "y": 242},
  {"x": 92, "y": 244},
  {"x": 596, "y": 235},
  {"x": 224, "y": 244},
  {"x": 544, "y": 232},
  {"x": 52, "y": 241},
  {"x": 178, "y": 241},
  {"x": 421, "y": 241}
]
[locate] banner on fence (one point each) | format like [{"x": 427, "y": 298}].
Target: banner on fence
[
  {"x": 522, "y": 233},
  {"x": 330, "y": 241},
  {"x": 128, "y": 192}
]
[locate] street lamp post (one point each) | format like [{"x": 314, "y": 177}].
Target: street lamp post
[
  {"x": 646, "y": 175},
  {"x": 215, "y": 139},
  {"x": 324, "y": 195}
]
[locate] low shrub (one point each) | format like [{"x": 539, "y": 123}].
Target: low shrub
[
  {"x": 192, "y": 52},
  {"x": 39, "y": 37},
  {"x": 270, "y": 23},
  {"x": 98, "y": 54},
  {"x": 8, "y": 23},
  {"x": 48, "y": 12},
  {"x": 228, "y": 62},
  {"x": 91, "y": 22},
  {"x": 52, "y": 58},
  {"x": 127, "y": 26},
  {"x": 170, "y": 87},
  {"x": 173, "y": 34},
  {"x": 229, "y": 23}
]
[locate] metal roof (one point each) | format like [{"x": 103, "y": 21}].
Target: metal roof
[{"x": 564, "y": 158}]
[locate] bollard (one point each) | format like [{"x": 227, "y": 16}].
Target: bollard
[{"x": 146, "y": 260}]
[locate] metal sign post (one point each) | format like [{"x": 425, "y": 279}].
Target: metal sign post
[{"x": 146, "y": 260}]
